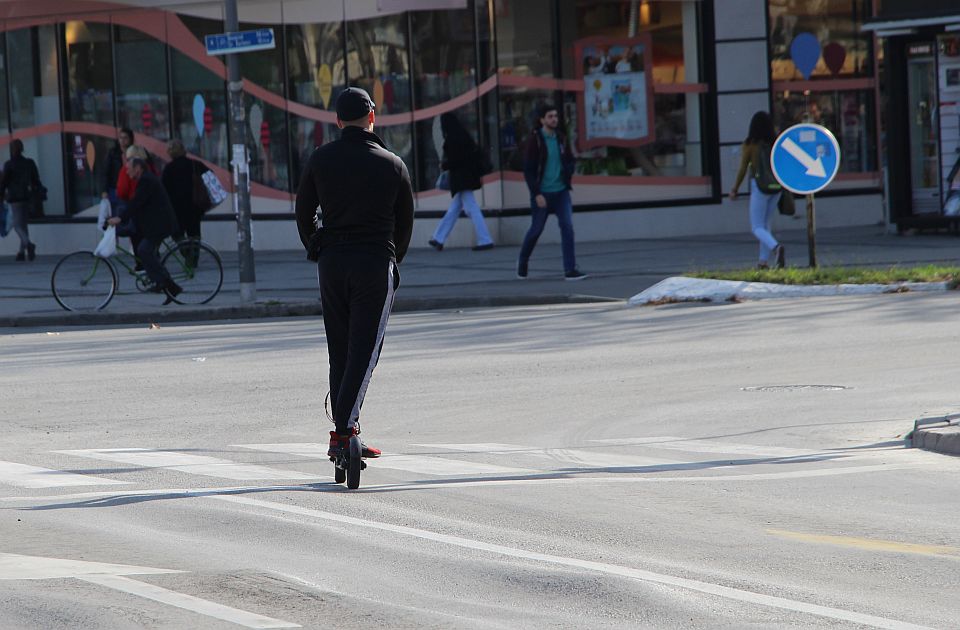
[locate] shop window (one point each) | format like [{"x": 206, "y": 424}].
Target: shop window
[
  {"x": 832, "y": 45},
  {"x": 35, "y": 100},
  {"x": 4, "y": 110},
  {"x": 850, "y": 115},
  {"x": 199, "y": 99},
  {"x": 89, "y": 72},
  {"x": 143, "y": 103},
  {"x": 377, "y": 61},
  {"x": 267, "y": 139},
  {"x": 305, "y": 136},
  {"x": 316, "y": 71},
  {"x": 524, "y": 37},
  {"x": 444, "y": 57},
  {"x": 86, "y": 164}
]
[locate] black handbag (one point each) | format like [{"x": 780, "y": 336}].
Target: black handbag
[{"x": 786, "y": 205}]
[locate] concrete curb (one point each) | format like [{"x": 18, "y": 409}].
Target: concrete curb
[
  {"x": 940, "y": 440},
  {"x": 684, "y": 289},
  {"x": 283, "y": 309}
]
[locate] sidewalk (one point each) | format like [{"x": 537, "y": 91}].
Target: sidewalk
[{"x": 461, "y": 278}]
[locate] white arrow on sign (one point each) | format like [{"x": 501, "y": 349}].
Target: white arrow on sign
[
  {"x": 17, "y": 567},
  {"x": 814, "y": 166}
]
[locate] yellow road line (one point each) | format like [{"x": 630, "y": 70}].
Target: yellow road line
[{"x": 869, "y": 543}]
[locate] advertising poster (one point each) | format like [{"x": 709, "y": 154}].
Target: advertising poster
[{"x": 616, "y": 105}]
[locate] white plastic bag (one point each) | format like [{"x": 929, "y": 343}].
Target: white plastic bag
[
  {"x": 214, "y": 188},
  {"x": 107, "y": 246},
  {"x": 952, "y": 206}
]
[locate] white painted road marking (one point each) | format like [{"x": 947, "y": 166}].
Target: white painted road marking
[
  {"x": 18, "y": 567},
  {"x": 490, "y": 483},
  {"x": 23, "y": 476},
  {"x": 187, "y": 602},
  {"x": 414, "y": 463},
  {"x": 560, "y": 457},
  {"x": 714, "y": 446},
  {"x": 193, "y": 464},
  {"x": 737, "y": 594}
]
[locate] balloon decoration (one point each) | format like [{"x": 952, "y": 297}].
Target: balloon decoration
[
  {"x": 265, "y": 135},
  {"x": 207, "y": 120},
  {"x": 834, "y": 55},
  {"x": 325, "y": 84},
  {"x": 91, "y": 154},
  {"x": 378, "y": 95},
  {"x": 805, "y": 53},
  {"x": 146, "y": 118},
  {"x": 199, "y": 111},
  {"x": 255, "y": 118}
]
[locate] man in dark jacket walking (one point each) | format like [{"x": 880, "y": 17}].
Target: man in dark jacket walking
[
  {"x": 355, "y": 217},
  {"x": 548, "y": 167},
  {"x": 19, "y": 186},
  {"x": 178, "y": 180},
  {"x": 150, "y": 216}
]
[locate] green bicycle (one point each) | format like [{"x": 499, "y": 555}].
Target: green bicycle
[{"x": 82, "y": 281}]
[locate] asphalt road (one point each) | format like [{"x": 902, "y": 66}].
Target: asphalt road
[{"x": 735, "y": 466}]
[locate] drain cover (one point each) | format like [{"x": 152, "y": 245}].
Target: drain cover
[{"x": 794, "y": 388}]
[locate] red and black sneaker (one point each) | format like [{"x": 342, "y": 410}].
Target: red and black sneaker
[{"x": 339, "y": 442}]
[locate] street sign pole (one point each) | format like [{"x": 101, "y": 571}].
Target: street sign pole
[
  {"x": 811, "y": 231},
  {"x": 805, "y": 158},
  {"x": 240, "y": 163}
]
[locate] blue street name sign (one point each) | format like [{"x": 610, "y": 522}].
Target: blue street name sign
[
  {"x": 805, "y": 158},
  {"x": 240, "y": 42}
]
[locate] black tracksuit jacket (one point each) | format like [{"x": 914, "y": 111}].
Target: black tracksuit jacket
[{"x": 362, "y": 194}]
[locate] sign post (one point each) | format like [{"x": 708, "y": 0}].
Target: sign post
[
  {"x": 805, "y": 159},
  {"x": 230, "y": 44}
]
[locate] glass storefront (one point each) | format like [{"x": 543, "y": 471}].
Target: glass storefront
[{"x": 630, "y": 78}]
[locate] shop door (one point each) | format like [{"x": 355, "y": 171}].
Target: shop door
[{"x": 924, "y": 134}]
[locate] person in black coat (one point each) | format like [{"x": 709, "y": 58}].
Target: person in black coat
[
  {"x": 178, "y": 180},
  {"x": 150, "y": 216},
  {"x": 19, "y": 185},
  {"x": 464, "y": 162}
]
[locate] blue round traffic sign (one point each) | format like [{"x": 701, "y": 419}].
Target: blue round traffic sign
[{"x": 805, "y": 158}]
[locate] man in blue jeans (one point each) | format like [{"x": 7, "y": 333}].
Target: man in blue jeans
[{"x": 547, "y": 167}]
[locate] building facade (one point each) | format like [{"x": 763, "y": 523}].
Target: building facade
[{"x": 656, "y": 97}]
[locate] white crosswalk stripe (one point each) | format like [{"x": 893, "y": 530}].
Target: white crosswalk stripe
[
  {"x": 413, "y": 463},
  {"x": 24, "y": 476},
  {"x": 560, "y": 457},
  {"x": 192, "y": 464}
]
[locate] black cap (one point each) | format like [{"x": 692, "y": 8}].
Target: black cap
[{"x": 353, "y": 103}]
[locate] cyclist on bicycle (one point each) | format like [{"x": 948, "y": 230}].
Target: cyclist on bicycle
[{"x": 150, "y": 216}]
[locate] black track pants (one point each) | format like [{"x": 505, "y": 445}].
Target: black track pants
[{"x": 356, "y": 291}]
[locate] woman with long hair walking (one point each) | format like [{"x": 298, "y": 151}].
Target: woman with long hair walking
[{"x": 755, "y": 155}]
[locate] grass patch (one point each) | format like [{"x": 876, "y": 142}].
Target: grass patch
[{"x": 839, "y": 275}]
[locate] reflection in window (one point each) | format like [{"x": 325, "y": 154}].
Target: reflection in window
[
  {"x": 305, "y": 136},
  {"x": 85, "y": 166},
  {"x": 267, "y": 144},
  {"x": 524, "y": 37},
  {"x": 143, "y": 104},
  {"x": 518, "y": 119},
  {"x": 4, "y": 111},
  {"x": 315, "y": 63},
  {"x": 377, "y": 61},
  {"x": 430, "y": 145},
  {"x": 443, "y": 54},
  {"x": 199, "y": 109},
  {"x": 672, "y": 26},
  {"x": 845, "y": 51},
  {"x": 399, "y": 140},
  {"x": 850, "y": 115},
  {"x": 89, "y": 72}
]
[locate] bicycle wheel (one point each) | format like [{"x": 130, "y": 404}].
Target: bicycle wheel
[
  {"x": 83, "y": 282},
  {"x": 196, "y": 267}
]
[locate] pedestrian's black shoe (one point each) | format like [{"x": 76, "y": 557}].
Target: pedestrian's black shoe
[
  {"x": 576, "y": 274},
  {"x": 20, "y": 257},
  {"x": 31, "y": 251},
  {"x": 781, "y": 257},
  {"x": 172, "y": 290},
  {"x": 521, "y": 269},
  {"x": 437, "y": 245},
  {"x": 482, "y": 248}
]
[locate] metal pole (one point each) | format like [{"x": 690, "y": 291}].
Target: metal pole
[
  {"x": 811, "y": 232},
  {"x": 240, "y": 162}
]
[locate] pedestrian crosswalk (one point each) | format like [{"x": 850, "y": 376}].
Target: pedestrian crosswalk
[{"x": 300, "y": 461}]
